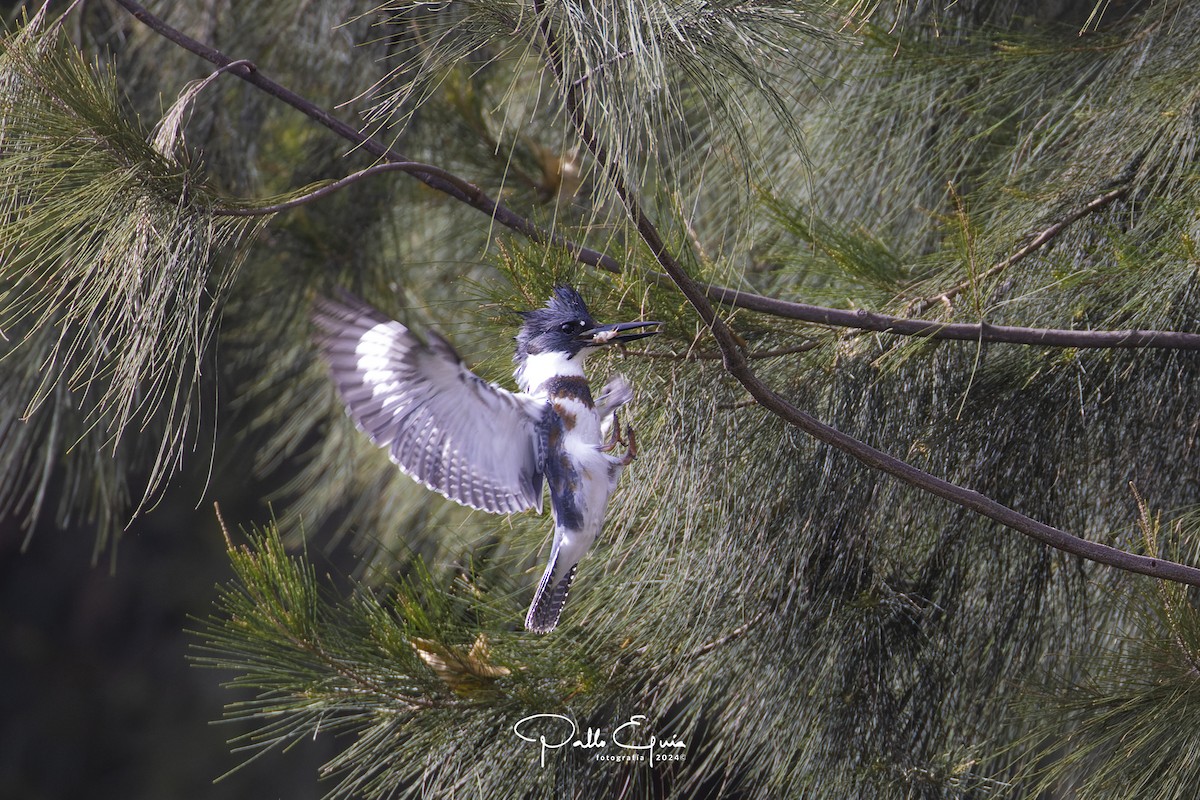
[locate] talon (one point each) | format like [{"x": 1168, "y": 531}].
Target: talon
[{"x": 631, "y": 449}]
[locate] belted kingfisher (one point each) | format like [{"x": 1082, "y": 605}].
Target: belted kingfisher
[{"x": 481, "y": 445}]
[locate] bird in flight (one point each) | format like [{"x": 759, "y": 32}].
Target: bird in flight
[{"x": 484, "y": 446}]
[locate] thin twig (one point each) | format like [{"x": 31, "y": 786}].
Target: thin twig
[
  {"x": 224, "y": 527},
  {"x": 740, "y": 630},
  {"x": 736, "y": 364},
  {"x": 411, "y": 167},
  {"x": 1036, "y": 243},
  {"x": 753, "y": 355}
]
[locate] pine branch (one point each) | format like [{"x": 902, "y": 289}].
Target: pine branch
[
  {"x": 473, "y": 196},
  {"x": 440, "y": 180},
  {"x": 111, "y": 283},
  {"x": 698, "y": 295},
  {"x": 737, "y": 365},
  {"x": 1036, "y": 243},
  {"x": 274, "y": 605}
]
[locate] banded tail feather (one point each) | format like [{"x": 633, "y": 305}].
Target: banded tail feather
[{"x": 549, "y": 599}]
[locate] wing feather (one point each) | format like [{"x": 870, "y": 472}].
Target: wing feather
[{"x": 469, "y": 440}]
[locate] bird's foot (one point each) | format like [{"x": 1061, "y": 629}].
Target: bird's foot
[
  {"x": 615, "y": 437},
  {"x": 629, "y": 441},
  {"x": 631, "y": 447}
]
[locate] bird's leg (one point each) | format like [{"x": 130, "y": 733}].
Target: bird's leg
[
  {"x": 615, "y": 394},
  {"x": 615, "y": 437}
]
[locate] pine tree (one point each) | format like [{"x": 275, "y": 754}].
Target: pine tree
[{"x": 928, "y": 274}]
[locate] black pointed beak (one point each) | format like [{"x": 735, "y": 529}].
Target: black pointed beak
[{"x": 610, "y": 334}]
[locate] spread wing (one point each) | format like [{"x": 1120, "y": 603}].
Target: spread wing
[{"x": 444, "y": 426}]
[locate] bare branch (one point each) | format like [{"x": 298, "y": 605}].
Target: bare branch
[
  {"x": 933, "y": 329},
  {"x": 753, "y": 355},
  {"x": 737, "y": 365}
]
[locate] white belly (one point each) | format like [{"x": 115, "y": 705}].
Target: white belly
[{"x": 581, "y": 441}]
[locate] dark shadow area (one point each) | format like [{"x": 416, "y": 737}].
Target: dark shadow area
[{"x": 98, "y": 698}]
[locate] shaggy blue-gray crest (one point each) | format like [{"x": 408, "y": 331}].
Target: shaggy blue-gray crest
[{"x": 481, "y": 445}]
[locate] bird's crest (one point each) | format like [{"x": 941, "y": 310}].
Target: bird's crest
[{"x": 565, "y": 302}]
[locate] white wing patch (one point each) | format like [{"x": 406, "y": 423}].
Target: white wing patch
[{"x": 471, "y": 441}]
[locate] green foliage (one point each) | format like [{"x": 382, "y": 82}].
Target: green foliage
[
  {"x": 111, "y": 269},
  {"x": 691, "y": 94},
  {"x": 385, "y": 665},
  {"x": 1120, "y": 723},
  {"x": 1125, "y": 726},
  {"x": 804, "y": 626}
]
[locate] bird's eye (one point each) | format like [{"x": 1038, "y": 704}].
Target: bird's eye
[{"x": 572, "y": 327}]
